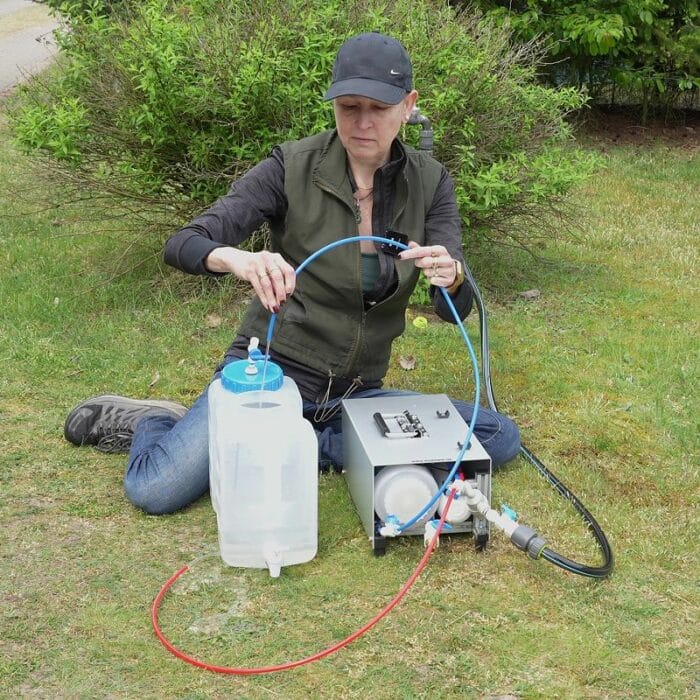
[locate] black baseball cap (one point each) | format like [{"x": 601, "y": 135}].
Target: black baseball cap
[{"x": 372, "y": 65}]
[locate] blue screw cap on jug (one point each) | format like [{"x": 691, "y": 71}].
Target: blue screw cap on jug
[{"x": 237, "y": 378}]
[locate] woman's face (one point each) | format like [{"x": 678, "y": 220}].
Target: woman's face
[{"x": 367, "y": 127}]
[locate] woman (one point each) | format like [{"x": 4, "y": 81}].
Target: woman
[{"x": 338, "y": 319}]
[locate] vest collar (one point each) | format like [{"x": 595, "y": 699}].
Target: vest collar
[{"x": 333, "y": 167}]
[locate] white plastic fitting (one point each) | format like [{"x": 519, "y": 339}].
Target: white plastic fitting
[
  {"x": 478, "y": 503},
  {"x": 252, "y": 368},
  {"x": 503, "y": 521},
  {"x": 430, "y": 530},
  {"x": 474, "y": 498},
  {"x": 390, "y": 530},
  {"x": 274, "y": 561}
]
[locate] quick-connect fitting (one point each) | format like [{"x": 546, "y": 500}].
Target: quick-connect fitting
[
  {"x": 391, "y": 527},
  {"x": 527, "y": 540},
  {"x": 502, "y": 521},
  {"x": 508, "y": 512}
]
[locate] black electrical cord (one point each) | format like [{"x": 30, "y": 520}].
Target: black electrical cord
[{"x": 605, "y": 569}]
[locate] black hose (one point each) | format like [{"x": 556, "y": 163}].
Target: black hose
[
  {"x": 547, "y": 553},
  {"x": 603, "y": 571}
]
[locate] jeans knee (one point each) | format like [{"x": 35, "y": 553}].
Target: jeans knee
[
  {"x": 154, "y": 491},
  {"x": 508, "y": 446},
  {"x": 498, "y": 434},
  {"x": 146, "y": 495}
]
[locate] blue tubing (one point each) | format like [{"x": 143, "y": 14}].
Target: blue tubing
[{"x": 430, "y": 506}]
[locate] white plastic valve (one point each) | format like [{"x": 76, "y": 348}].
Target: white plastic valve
[
  {"x": 476, "y": 500},
  {"x": 478, "y": 503},
  {"x": 252, "y": 368},
  {"x": 274, "y": 561}
]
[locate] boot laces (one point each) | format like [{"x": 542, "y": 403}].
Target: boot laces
[{"x": 115, "y": 441}]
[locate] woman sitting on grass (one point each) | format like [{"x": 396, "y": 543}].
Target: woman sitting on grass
[{"x": 337, "y": 321}]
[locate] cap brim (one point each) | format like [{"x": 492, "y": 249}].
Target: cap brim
[{"x": 374, "y": 89}]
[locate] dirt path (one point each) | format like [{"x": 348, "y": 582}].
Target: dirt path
[{"x": 26, "y": 42}]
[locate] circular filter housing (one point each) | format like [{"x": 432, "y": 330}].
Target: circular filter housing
[
  {"x": 404, "y": 490},
  {"x": 459, "y": 510}
]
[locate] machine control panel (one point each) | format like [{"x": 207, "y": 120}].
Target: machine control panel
[{"x": 400, "y": 425}]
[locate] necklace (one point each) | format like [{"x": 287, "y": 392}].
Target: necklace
[
  {"x": 361, "y": 198},
  {"x": 362, "y": 202}
]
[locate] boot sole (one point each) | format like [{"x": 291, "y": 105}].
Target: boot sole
[{"x": 176, "y": 409}]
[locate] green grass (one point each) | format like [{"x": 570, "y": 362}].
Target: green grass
[{"x": 600, "y": 371}]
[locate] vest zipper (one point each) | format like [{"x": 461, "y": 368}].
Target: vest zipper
[
  {"x": 358, "y": 344},
  {"x": 358, "y": 278},
  {"x": 358, "y": 214},
  {"x": 355, "y": 209}
]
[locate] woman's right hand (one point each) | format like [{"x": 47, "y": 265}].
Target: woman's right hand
[{"x": 271, "y": 276}]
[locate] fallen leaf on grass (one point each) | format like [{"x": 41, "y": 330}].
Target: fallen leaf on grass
[
  {"x": 407, "y": 363},
  {"x": 530, "y": 294},
  {"x": 155, "y": 380},
  {"x": 213, "y": 320}
]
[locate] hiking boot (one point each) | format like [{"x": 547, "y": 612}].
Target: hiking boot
[{"x": 107, "y": 422}]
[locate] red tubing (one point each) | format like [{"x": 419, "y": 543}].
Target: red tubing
[{"x": 315, "y": 657}]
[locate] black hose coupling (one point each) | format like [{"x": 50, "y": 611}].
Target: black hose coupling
[
  {"x": 426, "y": 134},
  {"x": 527, "y": 540}
]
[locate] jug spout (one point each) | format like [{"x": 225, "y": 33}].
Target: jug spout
[{"x": 273, "y": 559}]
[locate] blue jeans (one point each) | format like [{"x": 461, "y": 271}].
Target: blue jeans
[{"x": 168, "y": 464}]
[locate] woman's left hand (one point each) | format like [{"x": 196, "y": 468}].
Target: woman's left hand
[{"x": 437, "y": 264}]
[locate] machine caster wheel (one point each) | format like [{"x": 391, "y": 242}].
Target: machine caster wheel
[
  {"x": 379, "y": 548},
  {"x": 480, "y": 542}
]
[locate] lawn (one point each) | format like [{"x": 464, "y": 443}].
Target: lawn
[{"x": 599, "y": 370}]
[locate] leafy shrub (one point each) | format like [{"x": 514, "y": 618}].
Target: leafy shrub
[
  {"x": 648, "y": 48},
  {"x": 84, "y": 8},
  {"x": 156, "y": 106}
]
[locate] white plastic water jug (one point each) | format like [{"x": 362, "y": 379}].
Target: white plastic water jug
[{"x": 263, "y": 467}]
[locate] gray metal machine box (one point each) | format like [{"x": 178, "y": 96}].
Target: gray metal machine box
[{"x": 409, "y": 429}]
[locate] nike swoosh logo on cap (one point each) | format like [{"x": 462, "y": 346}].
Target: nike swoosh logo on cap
[{"x": 394, "y": 72}]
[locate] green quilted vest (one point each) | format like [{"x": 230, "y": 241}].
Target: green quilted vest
[{"x": 325, "y": 324}]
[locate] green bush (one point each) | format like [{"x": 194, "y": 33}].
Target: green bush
[
  {"x": 84, "y": 8},
  {"x": 155, "y": 107},
  {"x": 649, "y": 49}
]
